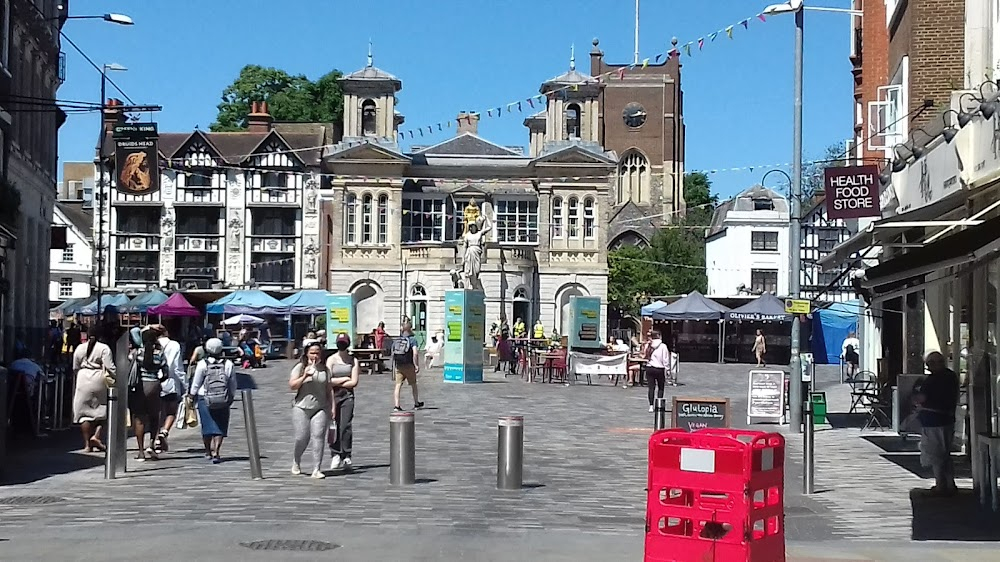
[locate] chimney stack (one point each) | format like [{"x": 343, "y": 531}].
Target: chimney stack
[
  {"x": 113, "y": 113},
  {"x": 468, "y": 122},
  {"x": 259, "y": 120}
]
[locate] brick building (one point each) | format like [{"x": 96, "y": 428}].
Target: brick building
[{"x": 870, "y": 67}]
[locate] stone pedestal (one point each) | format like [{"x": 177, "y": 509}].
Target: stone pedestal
[{"x": 464, "y": 335}]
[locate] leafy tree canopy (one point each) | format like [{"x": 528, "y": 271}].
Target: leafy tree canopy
[
  {"x": 289, "y": 98},
  {"x": 699, "y": 199}
]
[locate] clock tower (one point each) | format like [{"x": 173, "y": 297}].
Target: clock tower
[{"x": 641, "y": 120}]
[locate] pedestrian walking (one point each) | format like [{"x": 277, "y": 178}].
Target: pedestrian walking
[
  {"x": 93, "y": 365},
  {"x": 214, "y": 389},
  {"x": 656, "y": 368},
  {"x": 759, "y": 347},
  {"x": 171, "y": 389},
  {"x": 345, "y": 371},
  {"x": 405, "y": 356},
  {"x": 937, "y": 399},
  {"x": 312, "y": 407},
  {"x": 144, "y": 390},
  {"x": 849, "y": 354}
]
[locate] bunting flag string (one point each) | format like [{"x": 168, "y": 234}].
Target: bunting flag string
[{"x": 618, "y": 73}]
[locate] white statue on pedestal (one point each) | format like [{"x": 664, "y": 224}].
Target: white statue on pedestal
[{"x": 474, "y": 241}]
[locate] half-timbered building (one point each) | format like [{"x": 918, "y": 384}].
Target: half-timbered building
[
  {"x": 820, "y": 235},
  {"x": 234, "y": 210}
]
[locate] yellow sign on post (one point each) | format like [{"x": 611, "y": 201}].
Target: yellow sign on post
[{"x": 793, "y": 306}]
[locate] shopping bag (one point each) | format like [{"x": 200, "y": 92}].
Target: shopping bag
[{"x": 190, "y": 415}]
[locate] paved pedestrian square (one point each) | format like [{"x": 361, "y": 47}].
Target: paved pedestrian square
[{"x": 584, "y": 471}]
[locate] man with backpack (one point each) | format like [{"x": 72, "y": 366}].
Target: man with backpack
[{"x": 405, "y": 356}]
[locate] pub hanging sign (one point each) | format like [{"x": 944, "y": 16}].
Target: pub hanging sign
[{"x": 137, "y": 170}]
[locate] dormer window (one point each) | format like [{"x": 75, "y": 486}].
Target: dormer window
[
  {"x": 763, "y": 204},
  {"x": 368, "y": 121},
  {"x": 572, "y": 116}
]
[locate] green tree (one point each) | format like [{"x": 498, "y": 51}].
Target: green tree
[
  {"x": 812, "y": 174},
  {"x": 674, "y": 263},
  {"x": 699, "y": 199},
  {"x": 289, "y": 98}
]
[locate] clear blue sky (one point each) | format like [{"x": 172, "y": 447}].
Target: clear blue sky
[{"x": 457, "y": 55}]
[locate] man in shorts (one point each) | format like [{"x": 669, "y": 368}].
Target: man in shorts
[{"x": 405, "y": 356}]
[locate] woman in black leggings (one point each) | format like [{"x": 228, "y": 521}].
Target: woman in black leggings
[{"x": 656, "y": 369}]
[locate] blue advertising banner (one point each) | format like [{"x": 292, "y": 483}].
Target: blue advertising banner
[
  {"x": 465, "y": 332},
  {"x": 585, "y": 323},
  {"x": 339, "y": 318}
]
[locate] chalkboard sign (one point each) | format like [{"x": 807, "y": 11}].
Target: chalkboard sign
[
  {"x": 698, "y": 413},
  {"x": 766, "y": 396}
]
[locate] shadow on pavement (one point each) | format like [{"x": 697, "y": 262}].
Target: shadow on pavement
[
  {"x": 905, "y": 453},
  {"x": 958, "y": 518},
  {"x": 37, "y": 458}
]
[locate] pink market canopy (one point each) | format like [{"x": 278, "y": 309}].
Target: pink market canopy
[{"x": 175, "y": 305}]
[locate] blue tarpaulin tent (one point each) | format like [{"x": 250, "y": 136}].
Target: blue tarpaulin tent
[
  {"x": 648, "y": 309},
  {"x": 107, "y": 300},
  {"x": 830, "y": 326},
  {"x": 312, "y": 301},
  {"x": 142, "y": 302},
  {"x": 247, "y": 302}
]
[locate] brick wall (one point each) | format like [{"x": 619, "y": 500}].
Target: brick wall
[
  {"x": 932, "y": 33},
  {"x": 874, "y": 67}
]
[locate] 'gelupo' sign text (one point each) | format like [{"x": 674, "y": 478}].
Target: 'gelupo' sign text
[{"x": 852, "y": 192}]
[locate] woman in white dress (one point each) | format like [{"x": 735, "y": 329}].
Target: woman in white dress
[{"x": 92, "y": 364}]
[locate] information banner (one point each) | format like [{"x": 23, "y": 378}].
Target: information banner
[
  {"x": 585, "y": 323},
  {"x": 765, "y": 396},
  {"x": 339, "y": 318},
  {"x": 594, "y": 365},
  {"x": 465, "y": 335}
]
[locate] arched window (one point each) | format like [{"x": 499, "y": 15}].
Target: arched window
[
  {"x": 633, "y": 178},
  {"x": 366, "y": 219},
  {"x": 368, "y": 120},
  {"x": 383, "y": 219},
  {"x": 572, "y": 116},
  {"x": 588, "y": 217},
  {"x": 417, "y": 291},
  {"x": 573, "y": 230},
  {"x": 351, "y": 219},
  {"x": 520, "y": 294},
  {"x": 557, "y": 217}
]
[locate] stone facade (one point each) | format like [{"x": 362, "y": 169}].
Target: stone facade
[{"x": 394, "y": 221}]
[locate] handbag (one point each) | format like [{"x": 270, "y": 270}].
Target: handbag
[
  {"x": 134, "y": 381},
  {"x": 190, "y": 413}
]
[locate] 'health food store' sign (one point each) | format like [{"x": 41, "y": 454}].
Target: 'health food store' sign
[{"x": 852, "y": 192}]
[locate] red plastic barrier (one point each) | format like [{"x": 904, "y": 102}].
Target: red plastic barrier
[{"x": 715, "y": 495}]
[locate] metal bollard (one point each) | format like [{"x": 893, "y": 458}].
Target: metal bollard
[
  {"x": 253, "y": 446},
  {"x": 660, "y": 413},
  {"x": 510, "y": 453},
  {"x": 114, "y": 426},
  {"x": 402, "y": 466},
  {"x": 808, "y": 451},
  {"x": 59, "y": 417}
]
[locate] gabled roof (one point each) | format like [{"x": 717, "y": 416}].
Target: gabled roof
[
  {"x": 719, "y": 218},
  {"x": 575, "y": 152},
  {"x": 468, "y": 144},
  {"x": 77, "y": 218},
  {"x": 368, "y": 151},
  {"x": 272, "y": 136},
  {"x": 195, "y": 136}
]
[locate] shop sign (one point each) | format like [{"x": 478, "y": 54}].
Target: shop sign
[
  {"x": 986, "y": 148},
  {"x": 794, "y": 306},
  {"x": 852, "y": 192},
  {"x": 929, "y": 179},
  {"x": 137, "y": 166}
]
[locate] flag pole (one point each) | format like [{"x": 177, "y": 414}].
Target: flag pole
[{"x": 636, "y": 60}]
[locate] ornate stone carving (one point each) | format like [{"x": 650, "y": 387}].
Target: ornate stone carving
[
  {"x": 311, "y": 252},
  {"x": 235, "y": 232},
  {"x": 361, "y": 253},
  {"x": 312, "y": 195},
  {"x": 573, "y": 256},
  {"x": 167, "y": 229}
]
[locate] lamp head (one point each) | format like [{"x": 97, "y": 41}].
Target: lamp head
[
  {"x": 898, "y": 165},
  {"x": 949, "y": 134},
  {"x": 120, "y": 19},
  {"x": 988, "y": 108}
]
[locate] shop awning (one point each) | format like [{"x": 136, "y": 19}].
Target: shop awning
[
  {"x": 880, "y": 231},
  {"x": 694, "y": 306},
  {"x": 963, "y": 247},
  {"x": 765, "y": 308}
]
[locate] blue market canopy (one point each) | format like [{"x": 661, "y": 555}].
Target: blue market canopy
[
  {"x": 92, "y": 308},
  {"x": 765, "y": 308},
  {"x": 311, "y": 301},
  {"x": 142, "y": 302},
  {"x": 694, "y": 306},
  {"x": 62, "y": 310},
  {"x": 247, "y": 302},
  {"x": 648, "y": 309}
]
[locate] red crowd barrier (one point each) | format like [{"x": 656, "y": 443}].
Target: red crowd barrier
[{"x": 715, "y": 495}]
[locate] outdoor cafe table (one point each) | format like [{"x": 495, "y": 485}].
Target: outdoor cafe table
[
  {"x": 369, "y": 359},
  {"x": 547, "y": 358}
]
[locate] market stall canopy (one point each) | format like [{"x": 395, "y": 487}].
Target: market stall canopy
[
  {"x": 142, "y": 302},
  {"x": 831, "y": 326},
  {"x": 175, "y": 305},
  {"x": 243, "y": 319},
  {"x": 63, "y": 309},
  {"x": 765, "y": 308},
  {"x": 694, "y": 306},
  {"x": 92, "y": 309},
  {"x": 310, "y": 301},
  {"x": 247, "y": 302},
  {"x": 651, "y": 307}
]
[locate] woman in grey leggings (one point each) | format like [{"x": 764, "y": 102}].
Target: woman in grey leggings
[{"x": 311, "y": 410}]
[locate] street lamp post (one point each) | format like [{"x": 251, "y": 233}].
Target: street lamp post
[
  {"x": 101, "y": 195},
  {"x": 120, "y": 19},
  {"x": 795, "y": 397}
]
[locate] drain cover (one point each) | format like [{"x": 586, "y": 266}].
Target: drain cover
[
  {"x": 296, "y": 546},
  {"x": 29, "y": 500}
]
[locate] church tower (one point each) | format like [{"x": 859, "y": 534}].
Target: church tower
[{"x": 573, "y": 106}]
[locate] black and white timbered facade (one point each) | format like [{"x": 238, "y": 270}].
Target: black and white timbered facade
[
  {"x": 234, "y": 210},
  {"x": 820, "y": 235}
]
